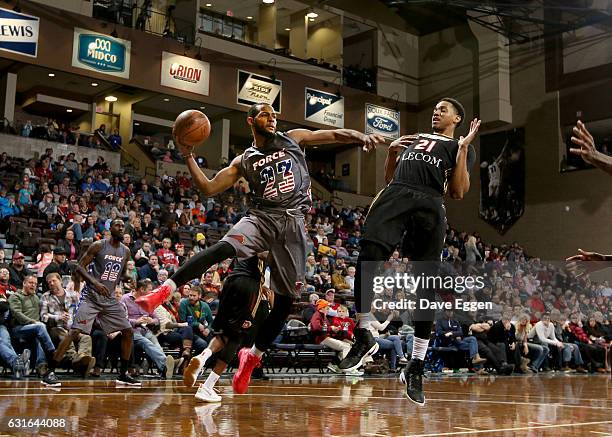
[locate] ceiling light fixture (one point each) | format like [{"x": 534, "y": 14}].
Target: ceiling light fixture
[
  {"x": 208, "y": 5},
  {"x": 268, "y": 2},
  {"x": 287, "y": 29},
  {"x": 68, "y": 110},
  {"x": 51, "y": 74},
  {"x": 136, "y": 123},
  {"x": 110, "y": 98},
  {"x": 249, "y": 18},
  {"x": 166, "y": 99},
  {"x": 312, "y": 14},
  {"x": 202, "y": 107},
  {"x": 94, "y": 84},
  {"x": 311, "y": 19}
]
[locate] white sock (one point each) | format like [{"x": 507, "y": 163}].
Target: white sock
[
  {"x": 171, "y": 284},
  {"x": 211, "y": 380},
  {"x": 419, "y": 349},
  {"x": 257, "y": 352},
  {"x": 206, "y": 354},
  {"x": 363, "y": 320}
]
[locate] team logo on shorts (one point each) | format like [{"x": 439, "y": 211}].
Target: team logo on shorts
[{"x": 239, "y": 238}]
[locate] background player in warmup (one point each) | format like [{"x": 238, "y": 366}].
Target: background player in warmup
[
  {"x": 424, "y": 168},
  {"x": 102, "y": 268},
  {"x": 245, "y": 303},
  {"x": 275, "y": 168}
]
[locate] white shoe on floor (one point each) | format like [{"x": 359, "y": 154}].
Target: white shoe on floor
[
  {"x": 354, "y": 372},
  {"x": 206, "y": 394}
]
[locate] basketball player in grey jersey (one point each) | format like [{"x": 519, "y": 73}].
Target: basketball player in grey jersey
[
  {"x": 275, "y": 168},
  {"x": 102, "y": 268}
]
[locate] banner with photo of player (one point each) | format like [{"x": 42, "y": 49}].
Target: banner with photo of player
[
  {"x": 255, "y": 88},
  {"x": 502, "y": 178}
]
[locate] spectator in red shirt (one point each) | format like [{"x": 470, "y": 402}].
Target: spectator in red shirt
[
  {"x": 535, "y": 302},
  {"x": 43, "y": 171},
  {"x": 166, "y": 255},
  {"x": 323, "y": 330},
  {"x": 345, "y": 323},
  {"x": 594, "y": 354},
  {"x": 5, "y": 287}
]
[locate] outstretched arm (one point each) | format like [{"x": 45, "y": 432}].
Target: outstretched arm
[
  {"x": 459, "y": 183},
  {"x": 305, "y": 137},
  {"x": 222, "y": 181},
  {"x": 587, "y": 262},
  {"x": 583, "y": 138}
]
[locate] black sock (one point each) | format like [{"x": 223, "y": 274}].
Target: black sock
[
  {"x": 123, "y": 366},
  {"x": 202, "y": 261}
]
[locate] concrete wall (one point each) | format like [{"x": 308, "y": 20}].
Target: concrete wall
[
  {"x": 83, "y": 7},
  {"x": 563, "y": 211},
  {"x": 397, "y": 56},
  {"x": 21, "y": 147},
  {"x": 352, "y": 157}
]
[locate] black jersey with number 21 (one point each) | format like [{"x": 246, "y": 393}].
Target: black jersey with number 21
[{"x": 427, "y": 163}]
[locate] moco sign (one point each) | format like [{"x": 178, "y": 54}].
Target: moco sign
[
  {"x": 185, "y": 73},
  {"x": 101, "y": 53}
]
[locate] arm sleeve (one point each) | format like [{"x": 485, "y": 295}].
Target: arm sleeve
[{"x": 379, "y": 326}]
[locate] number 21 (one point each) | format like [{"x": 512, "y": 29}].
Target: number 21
[{"x": 426, "y": 145}]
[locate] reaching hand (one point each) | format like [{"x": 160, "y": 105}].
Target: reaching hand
[
  {"x": 578, "y": 266},
  {"x": 402, "y": 142},
  {"x": 466, "y": 141},
  {"x": 370, "y": 141},
  {"x": 184, "y": 150},
  {"x": 585, "y": 140}
]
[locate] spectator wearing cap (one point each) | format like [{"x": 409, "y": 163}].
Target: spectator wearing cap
[
  {"x": 200, "y": 242},
  {"x": 18, "y": 270},
  {"x": 57, "y": 265},
  {"x": 322, "y": 329}
]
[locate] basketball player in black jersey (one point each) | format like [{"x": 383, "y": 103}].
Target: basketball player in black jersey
[
  {"x": 275, "y": 168},
  {"x": 102, "y": 268},
  {"x": 409, "y": 212},
  {"x": 245, "y": 303}
]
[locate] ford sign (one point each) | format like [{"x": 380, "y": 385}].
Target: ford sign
[{"x": 382, "y": 121}]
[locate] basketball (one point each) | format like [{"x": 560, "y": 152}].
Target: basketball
[{"x": 191, "y": 128}]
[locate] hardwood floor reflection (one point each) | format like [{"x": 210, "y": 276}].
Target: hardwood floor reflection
[{"x": 544, "y": 405}]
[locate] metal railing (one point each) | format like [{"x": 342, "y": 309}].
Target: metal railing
[{"x": 145, "y": 19}]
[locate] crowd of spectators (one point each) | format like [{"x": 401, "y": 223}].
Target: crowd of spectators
[{"x": 542, "y": 315}]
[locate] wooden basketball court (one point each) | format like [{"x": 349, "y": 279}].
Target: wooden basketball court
[{"x": 544, "y": 405}]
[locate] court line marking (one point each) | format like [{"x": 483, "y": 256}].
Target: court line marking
[
  {"x": 464, "y": 429},
  {"x": 136, "y": 392},
  {"x": 521, "y": 428},
  {"x": 180, "y": 386},
  {"x": 607, "y": 434}
]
